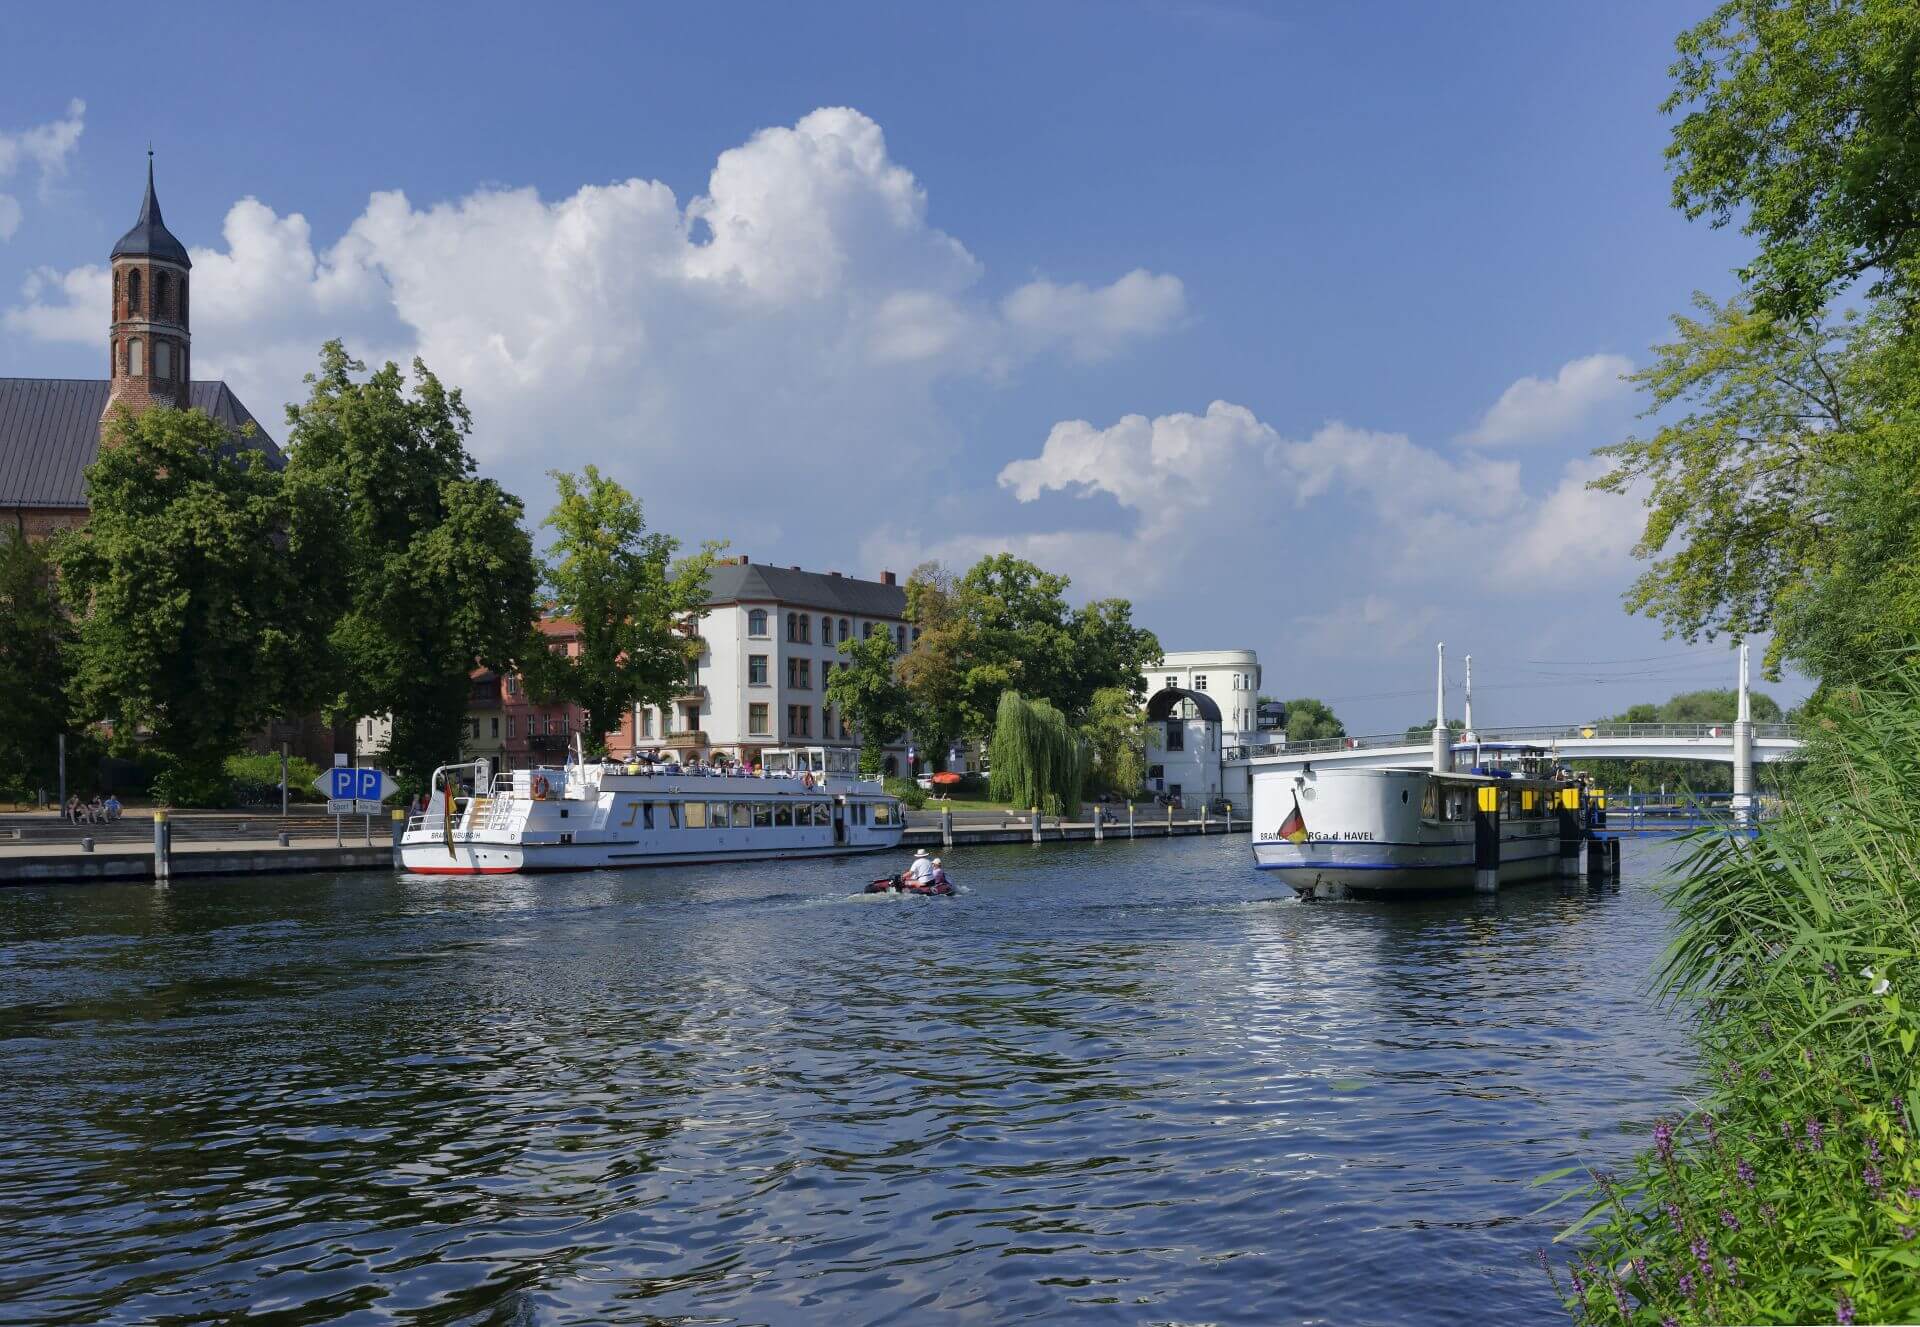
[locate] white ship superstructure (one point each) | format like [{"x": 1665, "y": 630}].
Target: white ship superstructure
[{"x": 804, "y": 802}]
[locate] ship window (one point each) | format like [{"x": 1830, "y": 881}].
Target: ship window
[
  {"x": 783, "y": 816},
  {"x": 742, "y": 814},
  {"x": 822, "y": 814},
  {"x": 883, "y": 813},
  {"x": 762, "y": 815},
  {"x": 673, "y": 814},
  {"x": 1430, "y": 802},
  {"x": 717, "y": 815},
  {"x": 696, "y": 815},
  {"x": 646, "y": 814}
]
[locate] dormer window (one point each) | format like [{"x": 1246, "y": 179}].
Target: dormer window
[{"x": 133, "y": 291}]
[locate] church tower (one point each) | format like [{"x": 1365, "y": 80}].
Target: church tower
[{"x": 149, "y": 347}]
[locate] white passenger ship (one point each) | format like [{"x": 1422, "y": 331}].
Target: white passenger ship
[
  {"x": 807, "y": 802},
  {"x": 1341, "y": 831}
]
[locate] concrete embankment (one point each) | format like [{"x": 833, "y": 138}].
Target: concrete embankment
[{"x": 23, "y": 863}]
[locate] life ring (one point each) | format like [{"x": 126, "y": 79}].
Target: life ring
[{"x": 540, "y": 788}]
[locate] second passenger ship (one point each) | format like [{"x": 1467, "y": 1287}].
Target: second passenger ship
[{"x": 808, "y": 802}]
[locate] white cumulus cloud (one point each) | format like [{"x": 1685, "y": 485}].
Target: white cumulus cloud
[
  {"x": 1535, "y": 409},
  {"x": 754, "y": 362},
  {"x": 46, "y": 147}
]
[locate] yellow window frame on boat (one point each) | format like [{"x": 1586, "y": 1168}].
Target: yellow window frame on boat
[{"x": 1488, "y": 797}]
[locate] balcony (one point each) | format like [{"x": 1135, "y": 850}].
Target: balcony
[
  {"x": 692, "y": 694},
  {"x": 685, "y": 739},
  {"x": 549, "y": 741}
]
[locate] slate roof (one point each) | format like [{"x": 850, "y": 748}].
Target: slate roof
[
  {"x": 50, "y": 433},
  {"x": 753, "y": 581},
  {"x": 150, "y": 237}
]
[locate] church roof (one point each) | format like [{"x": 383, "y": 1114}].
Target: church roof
[
  {"x": 150, "y": 237},
  {"x": 50, "y": 434},
  {"x": 735, "y": 582}
]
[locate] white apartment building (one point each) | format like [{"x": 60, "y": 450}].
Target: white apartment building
[
  {"x": 772, "y": 638},
  {"x": 1230, "y": 677}
]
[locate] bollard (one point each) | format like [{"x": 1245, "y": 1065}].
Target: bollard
[
  {"x": 286, "y": 839},
  {"x": 1129, "y": 817},
  {"x": 1486, "y": 840},
  {"x": 86, "y": 845},
  {"x": 1613, "y": 859},
  {"x": 1099, "y": 821},
  {"x": 162, "y": 848},
  {"x": 1203, "y": 817},
  {"x": 399, "y": 828},
  {"x": 1568, "y": 816},
  {"x": 1036, "y": 824},
  {"x": 946, "y": 827},
  {"x": 1169, "y": 819}
]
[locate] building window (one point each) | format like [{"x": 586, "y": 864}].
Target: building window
[
  {"x": 826, "y": 630},
  {"x": 136, "y": 357},
  {"x": 826, "y": 721},
  {"x": 1176, "y": 735},
  {"x": 1172, "y": 682},
  {"x": 843, "y": 628},
  {"x": 513, "y": 686},
  {"x": 513, "y": 727},
  {"x": 757, "y": 720},
  {"x": 916, "y": 635},
  {"x": 800, "y": 674},
  {"x": 800, "y": 720},
  {"x": 756, "y": 670},
  {"x": 162, "y": 360},
  {"x": 1199, "y": 681},
  {"x": 493, "y": 727},
  {"x": 646, "y": 723},
  {"x": 133, "y": 292},
  {"x": 757, "y": 622}
]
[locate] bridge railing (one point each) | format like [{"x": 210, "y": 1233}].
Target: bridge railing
[{"x": 1537, "y": 735}]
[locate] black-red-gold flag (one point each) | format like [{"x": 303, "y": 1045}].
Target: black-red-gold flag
[{"x": 1294, "y": 828}]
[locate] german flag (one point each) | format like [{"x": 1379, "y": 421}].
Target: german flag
[
  {"x": 446, "y": 817},
  {"x": 1294, "y": 828}
]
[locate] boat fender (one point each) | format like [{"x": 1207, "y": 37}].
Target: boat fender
[{"x": 540, "y": 788}]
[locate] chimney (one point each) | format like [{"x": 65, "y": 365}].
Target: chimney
[
  {"x": 886, "y": 578},
  {"x": 795, "y": 567},
  {"x": 833, "y": 573}
]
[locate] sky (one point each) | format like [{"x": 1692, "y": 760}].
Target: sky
[{"x": 1295, "y": 324}]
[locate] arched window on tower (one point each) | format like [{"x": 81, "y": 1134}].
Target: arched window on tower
[
  {"x": 162, "y": 360},
  {"x": 183, "y": 302},
  {"x": 133, "y": 291},
  {"x": 162, "y": 294},
  {"x": 136, "y": 357}
]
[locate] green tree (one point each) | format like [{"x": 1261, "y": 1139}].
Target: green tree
[
  {"x": 933, "y": 669},
  {"x": 1423, "y": 730},
  {"x": 1800, "y": 119},
  {"x": 189, "y": 584},
  {"x": 1310, "y": 720},
  {"x": 1037, "y": 760},
  {"x": 35, "y": 637},
  {"x": 1759, "y": 418},
  {"x": 1109, "y": 653},
  {"x": 433, "y": 568},
  {"x": 1116, "y": 733},
  {"x": 867, "y": 689},
  {"x": 620, "y": 586}
]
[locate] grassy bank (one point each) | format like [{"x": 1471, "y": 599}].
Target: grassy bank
[{"x": 1792, "y": 1193}]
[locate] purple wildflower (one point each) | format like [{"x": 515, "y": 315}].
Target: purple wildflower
[
  {"x": 1843, "y": 1311},
  {"x": 1686, "y": 1286},
  {"x": 1871, "y": 1178},
  {"x": 1733, "y": 1268},
  {"x": 1669, "y": 1322},
  {"x": 1906, "y": 1232},
  {"x": 1713, "y": 1134},
  {"x": 1663, "y": 1140},
  {"x": 1832, "y": 972},
  {"x": 1786, "y": 1131},
  {"x": 1899, "y": 1105},
  {"x": 1579, "y": 1281},
  {"x": 1729, "y": 1220},
  {"x": 1745, "y": 1171},
  {"x": 1766, "y": 1028},
  {"x": 1673, "y": 1215},
  {"x": 1766, "y": 1075},
  {"x": 1620, "y": 1298},
  {"x": 1813, "y": 1132},
  {"x": 1766, "y": 1213},
  {"x": 1640, "y": 1269},
  {"x": 1700, "y": 1255},
  {"x": 1873, "y": 1150}
]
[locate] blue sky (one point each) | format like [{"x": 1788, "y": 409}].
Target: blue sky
[{"x": 850, "y": 286}]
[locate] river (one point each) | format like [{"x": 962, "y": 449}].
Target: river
[{"x": 1124, "y": 1083}]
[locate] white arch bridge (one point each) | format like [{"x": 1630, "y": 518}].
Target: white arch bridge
[{"x": 1583, "y": 741}]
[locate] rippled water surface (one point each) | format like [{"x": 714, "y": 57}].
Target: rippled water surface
[{"x": 1126, "y": 1083}]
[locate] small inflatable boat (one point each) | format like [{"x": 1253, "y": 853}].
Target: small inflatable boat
[{"x": 900, "y": 885}]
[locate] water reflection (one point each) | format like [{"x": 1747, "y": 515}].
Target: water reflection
[{"x": 1131, "y": 1085}]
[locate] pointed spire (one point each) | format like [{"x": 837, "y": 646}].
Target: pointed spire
[{"x": 150, "y": 237}]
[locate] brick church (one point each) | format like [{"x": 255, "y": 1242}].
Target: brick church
[{"x": 50, "y": 428}]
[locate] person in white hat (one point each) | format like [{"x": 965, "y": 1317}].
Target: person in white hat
[{"x": 921, "y": 872}]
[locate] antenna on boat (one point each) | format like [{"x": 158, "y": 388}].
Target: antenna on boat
[
  {"x": 1468, "y": 734},
  {"x": 1442, "y": 739}
]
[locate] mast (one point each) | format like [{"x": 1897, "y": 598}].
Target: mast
[
  {"x": 1468, "y": 735},
  {"x": 1442, "y": 739}
]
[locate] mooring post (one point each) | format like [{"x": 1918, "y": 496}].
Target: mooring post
[
  {"x": 1203, "y": 817},
  {"x": 1568, "y": 816},
  {"x": 162, "y": 848},
  {"x": 1486, "y": 840},
  {"x": 946, "y": 827},
  {"x": 399, "y": 829},
  {"x": 1169, "y": 819},
  {"x": 1036, "y": 824},
  {"x": 1099, "y": 822},
  {"x": 1596, "y": 860},
  {"x": 1129, "y": 817}
]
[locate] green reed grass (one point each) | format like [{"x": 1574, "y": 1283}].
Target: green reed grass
[{"x": 1792, "y": 1194}]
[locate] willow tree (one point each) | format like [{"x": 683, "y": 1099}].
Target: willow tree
[{"x": 1037, "y": 759}]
